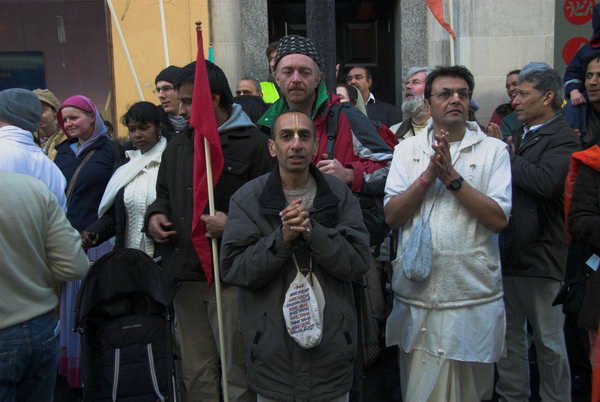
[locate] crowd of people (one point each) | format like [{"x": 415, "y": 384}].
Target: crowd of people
[{"x": 481, "y": 240}]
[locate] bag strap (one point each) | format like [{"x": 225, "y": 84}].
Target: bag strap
[
  {"x": 332, "y": 126},
  {"x": 71, "y": 186},
  {"x": 310, "y": 267},
  {"x": 437, "y": 193}
]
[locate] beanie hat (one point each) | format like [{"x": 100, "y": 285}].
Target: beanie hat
[
  {"x": 169, "y": 74},
  {"x": 48, "y": 97},
  {"x": 296, "y": 44},
  {"x": 21, "y": 108},
  {"x": 185, "y": 73}
]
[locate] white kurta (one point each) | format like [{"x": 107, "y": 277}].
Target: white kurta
[{"x": 471, "y": 332}]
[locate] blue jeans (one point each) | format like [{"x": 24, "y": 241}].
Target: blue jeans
[{"x": 29, "y": 360}]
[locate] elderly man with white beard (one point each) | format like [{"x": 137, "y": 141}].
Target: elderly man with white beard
[{"x": 415, "y": 112}]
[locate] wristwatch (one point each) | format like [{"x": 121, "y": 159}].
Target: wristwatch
[{"x": 455, "y": 184}]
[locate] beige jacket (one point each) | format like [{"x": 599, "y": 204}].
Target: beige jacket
[
  {"x": 55, "y": 139},
  {"x": 38, "y": 248}
]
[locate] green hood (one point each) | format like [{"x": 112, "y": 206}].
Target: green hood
[{"x": 281, "y": 105}]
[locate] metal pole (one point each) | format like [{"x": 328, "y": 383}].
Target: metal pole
[
  {"x": 451, "y": 22},
  {"x": 125, "y": 49},
  {"x": 164, "y": 32}
]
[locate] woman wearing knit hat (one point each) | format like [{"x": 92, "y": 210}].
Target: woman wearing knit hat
[
  {"x": 87, "y": 159},
  {"x": 49, "y": 134}
]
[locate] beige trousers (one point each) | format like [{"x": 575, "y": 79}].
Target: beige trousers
[
  {"x": 197, "y": 331},
  {"x": 427, "y": 378},
  {"x": 343, "y": 398}
]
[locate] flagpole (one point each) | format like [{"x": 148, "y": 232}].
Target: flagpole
[
  {"x": 125, "y": 49},
  {"x": 217, "y": 275},
  {"x": 164, "y": 32},
  {"x": 215, "y": 256},
  {"x": 451, "y": 11}
]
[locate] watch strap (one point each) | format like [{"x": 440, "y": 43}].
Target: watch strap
[{"x": 455, "y": 184}]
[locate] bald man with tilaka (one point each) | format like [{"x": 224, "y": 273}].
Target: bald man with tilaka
[{"x": 296, "y": 221}]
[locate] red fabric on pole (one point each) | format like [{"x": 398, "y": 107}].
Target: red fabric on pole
[
  {"x": 589, "y": 157},
  {"x": 437, "y": 9},
  {"x": 203, "y": 120}
]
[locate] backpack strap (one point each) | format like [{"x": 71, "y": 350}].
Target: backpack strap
[{"x": 332, "y": 126}]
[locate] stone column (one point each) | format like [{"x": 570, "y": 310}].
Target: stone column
[
  {"x": 411, "y": 35},
  {"x": 225, "y": 22},
  {"x": 255, "y": 39},
  {"x": 320, "y": 27}
]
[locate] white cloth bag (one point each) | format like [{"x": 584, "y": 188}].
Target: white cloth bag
[{"x": 303, "y": 308}]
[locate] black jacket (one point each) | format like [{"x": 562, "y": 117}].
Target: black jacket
[
  {"x": 382, "y": 112},
  {"x": 246, "y": 157},
  {"x": 114, "y": 220},
  {"x": 92, "y": 180},
  {"x": 534, "y": 244},
  {"x": 255, "y": 258},
  {"x": 584, "y": 226}
]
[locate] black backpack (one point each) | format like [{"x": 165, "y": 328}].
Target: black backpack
[{"x": 125, "y": 317}]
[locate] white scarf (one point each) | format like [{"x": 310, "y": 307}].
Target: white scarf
[{"x": 138, "y": 161}]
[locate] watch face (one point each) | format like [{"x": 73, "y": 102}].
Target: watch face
[{"x": 455, "y": 184}]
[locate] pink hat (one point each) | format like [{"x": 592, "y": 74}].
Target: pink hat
[{"x": 79, "y": 102}]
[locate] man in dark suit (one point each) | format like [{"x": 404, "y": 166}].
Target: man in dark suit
[{"x": 377, "y": 110}]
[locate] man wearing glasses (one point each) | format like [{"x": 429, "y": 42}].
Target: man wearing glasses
[
  {"x": 172, "y": 122},
  {"x": 449, "y": 193}
]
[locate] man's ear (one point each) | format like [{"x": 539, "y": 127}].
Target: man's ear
[
  {"x": 316, "y": 147},
  {"x": 271, "y": 145},
  {"x": 215, "y": 99},
  {"x": 276, "y": 77},
  {"x": 549, "y": 98}
]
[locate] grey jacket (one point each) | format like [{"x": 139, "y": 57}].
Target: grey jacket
[{"x": 255, "y": 258}]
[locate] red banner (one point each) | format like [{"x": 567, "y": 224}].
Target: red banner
[
  {"x": 437, "y": 9},
  {"x": 203, "y": 120}
]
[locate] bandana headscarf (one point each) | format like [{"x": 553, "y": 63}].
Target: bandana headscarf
[
  {"x": 83, "y": 103},
  {"x": 296, "y": 44}
]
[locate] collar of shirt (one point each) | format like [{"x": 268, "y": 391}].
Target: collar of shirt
[
  {"x": 526, "y": 129},
  {"x": 531, "y": 129},
  {"x": 371, "y": 99}
]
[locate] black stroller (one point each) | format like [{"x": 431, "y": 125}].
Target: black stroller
[{"x": 125, "y": 317}]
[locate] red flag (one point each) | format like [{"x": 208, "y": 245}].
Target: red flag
[
  {"x": 202, "y": 118},
  {"x": 437, "y": 9}
]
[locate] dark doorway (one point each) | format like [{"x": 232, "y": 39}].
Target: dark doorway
[{"x": 364, "y": 36}]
